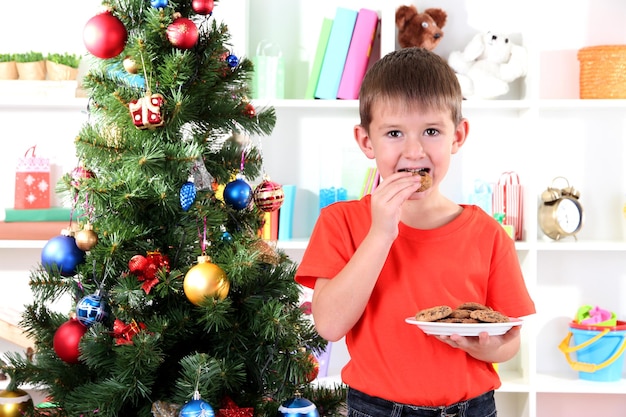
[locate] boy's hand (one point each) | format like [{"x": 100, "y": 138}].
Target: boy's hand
[
  {"x": 387, "y": 200},
  {"x": 487, "y": 348}
]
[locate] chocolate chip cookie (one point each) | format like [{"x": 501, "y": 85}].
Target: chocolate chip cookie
[
  {"x": 433, "y": 313},
  {"x": 489, "y": 316}
]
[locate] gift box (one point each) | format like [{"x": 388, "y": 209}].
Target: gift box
[
  {"x": 482, "y": 196},
  {"x": 269, "y": 72},
  {"x": 32, "y": 181},
  {"x": 508, "y": 200}
]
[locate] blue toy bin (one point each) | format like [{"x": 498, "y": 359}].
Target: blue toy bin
[{"x": 599, "y": 351}]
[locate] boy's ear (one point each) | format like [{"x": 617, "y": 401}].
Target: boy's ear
[
  {"x": 363, "y": 140},
  {"x": 460, "y": 135}
]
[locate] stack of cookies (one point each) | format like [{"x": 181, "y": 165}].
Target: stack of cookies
[{"x": 470, "y": 312}]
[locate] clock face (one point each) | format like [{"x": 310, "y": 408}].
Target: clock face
[{"x": 568, "y": 216}]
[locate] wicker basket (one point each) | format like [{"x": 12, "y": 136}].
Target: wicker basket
[{"x": 603, "y": 71}]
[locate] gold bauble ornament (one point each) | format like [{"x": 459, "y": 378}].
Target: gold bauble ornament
[
  {"x": 205, "y": 280},
  {"x": 130, "y": 65},
  {"x": 15, "y": 403},
  {"x": 86, "y": 239}
]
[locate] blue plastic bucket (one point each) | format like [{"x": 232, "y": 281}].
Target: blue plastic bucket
[{"x": 599, "y": 351}]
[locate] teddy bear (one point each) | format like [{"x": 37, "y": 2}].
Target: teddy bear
[
  {"x": 420, "y": 29},
  {"x": 489, "y": 62}
]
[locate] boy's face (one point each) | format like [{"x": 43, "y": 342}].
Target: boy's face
[{"x": 401, "y": 138}]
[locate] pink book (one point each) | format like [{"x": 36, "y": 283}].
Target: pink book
[{"x": 358, "y": 54}]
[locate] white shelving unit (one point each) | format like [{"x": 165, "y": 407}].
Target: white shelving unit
[{"x": 540, "y": 129}]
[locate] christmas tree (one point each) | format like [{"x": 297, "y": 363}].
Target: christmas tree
[{"x": 176, "y": 301}]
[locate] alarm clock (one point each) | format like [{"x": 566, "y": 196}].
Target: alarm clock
[{"x": 560, "y": 213}]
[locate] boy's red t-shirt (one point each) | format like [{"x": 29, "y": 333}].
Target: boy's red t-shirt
[{"x": 469, "y": 259}]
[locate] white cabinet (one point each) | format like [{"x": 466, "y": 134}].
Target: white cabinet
[{"x": 540, "y": 129}]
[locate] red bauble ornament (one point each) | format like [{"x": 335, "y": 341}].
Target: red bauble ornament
[
  {"x": 249, "y": 110},
  {"x": 105, "y": 36},
  {"x": 316, "y": 368},
  {"x": 182, "y": 33},
  {"x": 138, "y": 264},
  {"x": 268, "y": 195},
  {"x": 66, "y": 340},
  {"x": 202, "y": 6}
]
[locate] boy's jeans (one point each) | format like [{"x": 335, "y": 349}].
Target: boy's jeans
[{"x": 363, "y": 405}]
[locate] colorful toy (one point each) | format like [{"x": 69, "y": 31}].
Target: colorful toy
[
  {"x": 420, "y": 29},
  {"x": 487, "y": 65}
]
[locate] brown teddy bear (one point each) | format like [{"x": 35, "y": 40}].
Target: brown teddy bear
[{"x": 419, "y": 29}]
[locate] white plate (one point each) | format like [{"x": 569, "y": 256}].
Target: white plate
[{"x": 464, "y": 329}]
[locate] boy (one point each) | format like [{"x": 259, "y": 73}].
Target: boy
[{"x": 376, "y": 261}]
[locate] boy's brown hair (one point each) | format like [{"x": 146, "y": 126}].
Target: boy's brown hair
[{"x": 412, "y": 77}]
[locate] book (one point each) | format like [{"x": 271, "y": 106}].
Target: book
[
  {"x": 285, "y": 215},
  {"x": 359, "y": 54},
  {"x": 336, "y": 53},
  {"x": 372, "y": 179},
  {"x": 31, "y": 230},
  {"x": 52, "y": 214},
  {"x": 269, "y": 230},
  {"x": 322, "y": 42}
]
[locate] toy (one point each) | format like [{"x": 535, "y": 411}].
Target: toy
[
  {"x": 420, "y": 29},
  {"x": 487, "y": 65}
]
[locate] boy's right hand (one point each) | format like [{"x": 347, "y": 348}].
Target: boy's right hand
[{"x": 387, "y": 200}]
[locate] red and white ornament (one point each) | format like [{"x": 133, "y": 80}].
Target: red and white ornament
[
  {"x": 268, "y": 195},
  {"x": 104, "y": 35},
  {"x": 146, "y": 111},
  {"x": 182, "y": 33},
  {"x": 79, "y": 174}
]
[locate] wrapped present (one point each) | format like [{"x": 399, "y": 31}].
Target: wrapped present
[
  {"x": 230, "y": 409},
  {"x": 32, "y": 181},
  {"x": 146, "y": 111},
  {"x": 482, "y": 196},
  {"x": 508, "y": 200},
  {"x": 269, "y": 71}
]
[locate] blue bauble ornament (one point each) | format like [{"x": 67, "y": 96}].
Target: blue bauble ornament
[
  {"x": 298, "y": 407},
  {"x": 91, "y": 309},
  {"x": 62, "y": 253},
  {"x": 238, "y": 194},
  {"x": 196, "y": 408},
  {"x": 232, "y": 61},
  {"x": 158, "y": 4},
  {"x": 187, "y": 195},
  {"x": 227, "y": 237}
]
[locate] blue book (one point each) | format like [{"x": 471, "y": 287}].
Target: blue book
[
  {"x": 285, "y": 214},
  {"x": 336, "y": 53}
]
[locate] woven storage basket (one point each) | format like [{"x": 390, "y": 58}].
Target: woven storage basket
[{"x": 603, "y": 71}]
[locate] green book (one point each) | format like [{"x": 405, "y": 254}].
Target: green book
[
  {"x": 54, "y": 214},
  {"x": 322, "y": 42}
]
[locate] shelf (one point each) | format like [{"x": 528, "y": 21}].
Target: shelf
[
  {"x": 38, "y": 103},
  {"x": 80, "y": 103},
  {"x": 573, "y": 385},
  {"x": 581, "y": 245},
  {"x": 22, "y": 244},
  {"x": 293, "y": 244}
]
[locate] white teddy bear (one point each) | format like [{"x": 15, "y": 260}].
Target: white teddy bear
[{"x": 487, "y": 65}]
